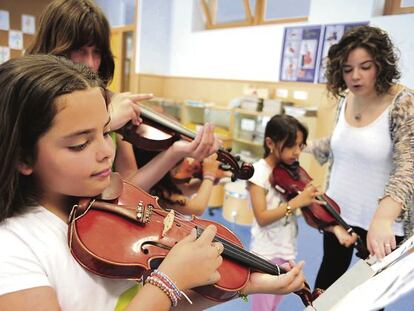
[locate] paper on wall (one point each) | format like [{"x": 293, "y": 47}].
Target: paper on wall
[
  {"x": 4, "y": 20},
  {"x": 16, "y": 40},
  {"x": 28, "y": 24},
  {"x": 4, "y": 54}
]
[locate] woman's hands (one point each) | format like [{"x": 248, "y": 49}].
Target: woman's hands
[
  {"x": 380, "y": 237},
  {"x": 194, "y": 262},
  {"x": 292, "y": 281},
  {"x": 124, "y": 107}
]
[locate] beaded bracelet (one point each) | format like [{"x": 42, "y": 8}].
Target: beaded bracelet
[
  {"x": 166, "y": 280},
  {"x": 161, "y": 285}
]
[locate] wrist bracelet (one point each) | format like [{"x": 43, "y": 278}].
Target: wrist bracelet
[
  {"x": 164, "y": 278},
  {"x": 289, "y": 211},
  {"x": 209, "y": 176},
  {"x": 165, "y": 288}
]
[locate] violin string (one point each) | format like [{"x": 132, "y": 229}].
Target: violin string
[{"x": 237, "y": 252}]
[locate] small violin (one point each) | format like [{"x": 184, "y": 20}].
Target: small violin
[
  {"x": 158, "y": 132},
  {"x": 123, "y": 234},
  {"x": 290, "y": 180}
]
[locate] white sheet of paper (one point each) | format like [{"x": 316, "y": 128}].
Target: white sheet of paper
[
  {"x": 28, "y": 24},
  {"x": 16, "y": 40},
  {"x": 394, "y": 278},
  {"x": 4, "y": 20},
  {"x": 4, "y": 54}
]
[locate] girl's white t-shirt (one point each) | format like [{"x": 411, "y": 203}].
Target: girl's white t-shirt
[
  {"x": 278, "y": 239},
  {"x": 34, "y": 252}
]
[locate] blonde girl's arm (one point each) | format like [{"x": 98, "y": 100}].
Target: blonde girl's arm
[
  {"x": 263, "y": 215},
  {"x": 197, "y": 204}
]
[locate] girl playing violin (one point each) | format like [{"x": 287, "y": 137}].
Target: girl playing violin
[
  {"x": 274, "y": 231},
  {"x": 55, "y": 149},
  {"x": 79, "y": 31}
]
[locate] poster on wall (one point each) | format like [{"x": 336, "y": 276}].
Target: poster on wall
[
  {"x": 300, "y": 50},
  {"x": 332, "y": 34}
]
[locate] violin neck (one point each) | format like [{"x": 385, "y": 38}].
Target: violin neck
[
  {"x": 166, "y": 122},
  {"x": 248, "y": 259},
  {"x": 335, "y": 214},
  {"x": 362, "y": 251}
]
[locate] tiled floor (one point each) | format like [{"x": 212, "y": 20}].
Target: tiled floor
[{"x": 310, "y": 250}]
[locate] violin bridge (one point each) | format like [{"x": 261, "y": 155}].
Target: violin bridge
[{"x": 168, "y": 222}]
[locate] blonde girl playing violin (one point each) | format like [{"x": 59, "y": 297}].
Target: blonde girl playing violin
[
  {"x": 274, "y": 230},
  {"x": 56, "y": 148}
]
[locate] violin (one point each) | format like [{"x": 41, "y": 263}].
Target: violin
[
  {"x": 124, "y": 234},
  {"x": 290, "y": 180},
  {"x": 158, "y": 132}
]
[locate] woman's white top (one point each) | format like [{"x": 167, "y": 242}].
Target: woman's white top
[{"x": 362, "y": 163}]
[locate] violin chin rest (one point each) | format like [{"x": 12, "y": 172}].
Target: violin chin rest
[{"x": 114, "y": 190}]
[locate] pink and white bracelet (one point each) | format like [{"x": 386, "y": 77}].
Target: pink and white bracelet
[{"x": 163, "y": 282}]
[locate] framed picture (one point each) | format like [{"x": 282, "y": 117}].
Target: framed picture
[
  {"x": 300, "y": 52},
  {"x": 331, "y": 35}
]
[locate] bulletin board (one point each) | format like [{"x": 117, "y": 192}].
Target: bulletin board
[
  {"x": 299, "y": 54},
  {"x": 19, "y": 21},
  {"x": 331, "y": 35}
]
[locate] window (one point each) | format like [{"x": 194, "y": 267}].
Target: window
[
  {"x": 281, "y": 11},
  {"x": 226, "y": 13},
  {"x": 398, "y": 7},
  {"x": 233, "y": 13}
]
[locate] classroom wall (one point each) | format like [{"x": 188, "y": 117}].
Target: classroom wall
[{"x": 246, "y": 53}]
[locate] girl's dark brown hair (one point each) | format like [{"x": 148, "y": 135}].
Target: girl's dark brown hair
[
  {"x": 283, "y": 128},
  {"x": 67, "y": 25},
  {"x": 378, "y": 45},
  {"x": 30, "y": 86}
]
